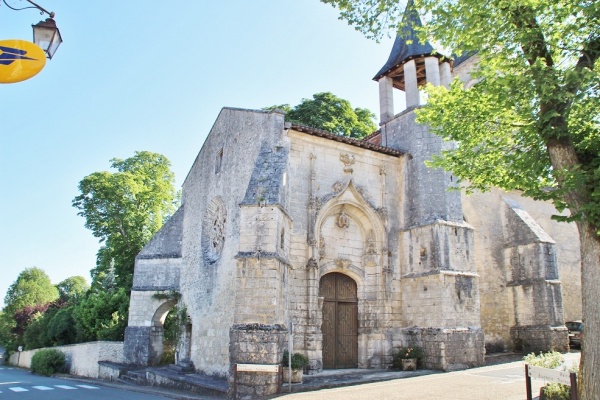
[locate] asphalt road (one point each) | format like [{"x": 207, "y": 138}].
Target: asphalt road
[{"x": 19, "y": 384}]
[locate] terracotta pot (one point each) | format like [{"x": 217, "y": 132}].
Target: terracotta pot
[
  {"x": 296, "y": 375},
  {"x": 409, "y": 364}
]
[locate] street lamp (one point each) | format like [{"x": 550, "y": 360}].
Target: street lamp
[
  {"x": 45, "y": 33},
  {"x": 47, "y": 36}
]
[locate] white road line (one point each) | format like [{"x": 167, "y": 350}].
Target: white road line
[
  {"x": 18, "y": 389},
  {"x": 87, "y": 387},
  {"x": 42, "y": 388},
  {"x": 65, "y": 387}
]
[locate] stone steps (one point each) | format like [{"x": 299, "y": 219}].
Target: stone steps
[{"x": 137, "y": 377}]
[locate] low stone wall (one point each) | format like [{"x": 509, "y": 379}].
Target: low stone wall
[
  {"x": 255, "y": 344},
  {"x": 448, "y": 349},
  {"x": 82, "y": 359},
  {"x": 540, "y": 338}
]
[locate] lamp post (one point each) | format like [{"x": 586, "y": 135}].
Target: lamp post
[{"x": 45, "y": 33}]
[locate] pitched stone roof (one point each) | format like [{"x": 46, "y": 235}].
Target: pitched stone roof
[
  {"x": 407, "y": 44},
  {"x": 166, "y": 243}
]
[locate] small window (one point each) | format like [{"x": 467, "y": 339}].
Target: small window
[
  {"x": 282, "y": 238},
  {"x": 219, "y": 161}
]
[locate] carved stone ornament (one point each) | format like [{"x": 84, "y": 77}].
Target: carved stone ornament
[
  {"x": 348, "y": 160},
  {"x": 371, "y": 245},
  {"x": 312, "y": 263},
  {"x": 342, "y": 263},
  {"x": 343, "y": 221},
  {"x": 213, "y": 231},
  {"x": 337, "y": 187},
  {"x": 321, "y": 247}
]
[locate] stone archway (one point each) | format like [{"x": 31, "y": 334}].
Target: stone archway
[
  {"x": 157, "y": 332},
  {"x": 340, "y": 321}
]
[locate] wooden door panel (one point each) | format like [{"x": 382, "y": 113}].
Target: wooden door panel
[
  {"x": 328, "y": 328},
  {"x": 340, "y": 321}
]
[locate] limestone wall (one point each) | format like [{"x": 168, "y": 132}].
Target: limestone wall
[
  {"x": 344, "y": 202},
  {"x": 212, "y": 193},
  {"x": 487, "y": 213},
  {"x": 82, "y": 359}
]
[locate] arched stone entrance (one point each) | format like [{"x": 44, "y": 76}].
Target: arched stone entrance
[
  {"x": 157, "y": 332},
  {"x": 340, "y": 321}
]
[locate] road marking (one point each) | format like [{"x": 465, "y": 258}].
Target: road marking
[
  {"x": 65, "y": 387},
  {"x": 42, "y": 388},
  {"x": 18, "y": 389},
  {"x": 87, "y": 387}
]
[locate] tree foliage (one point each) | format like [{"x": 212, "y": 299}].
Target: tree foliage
[
  {"x": 125, "y": 208},
  {"x": 533, "y": 120},
  {"x": 330, "y": 113},
  {"x": 32, "y": 287},
  {"x": 72, "y": 288},
  {"x": 102, "y": 315}
]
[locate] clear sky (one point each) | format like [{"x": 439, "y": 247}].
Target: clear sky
[{"x": 150, "y": 75}]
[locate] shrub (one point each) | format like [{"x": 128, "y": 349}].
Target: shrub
[
  {"x": 47, "y": 362},
  {"x": 299, "y": 361}
]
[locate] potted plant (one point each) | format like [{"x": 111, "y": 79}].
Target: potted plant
[
  {"x": 299, "y": 361},
  {"x": 407, "y": 357}
]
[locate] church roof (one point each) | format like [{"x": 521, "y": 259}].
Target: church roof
[
  {"x": 407, "y": 44},
  {"x": 166, "y": 243},
  {"x": 348, "y": 140}
]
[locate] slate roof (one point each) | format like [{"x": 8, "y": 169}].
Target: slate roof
[{"x": 407, "y": 45}]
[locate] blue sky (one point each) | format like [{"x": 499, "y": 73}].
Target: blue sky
[{"x": 149, "y": 75}]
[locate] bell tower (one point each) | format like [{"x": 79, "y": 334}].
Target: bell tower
[
  {"x": 411, "y": 65},
  {"x": 439, "y": 283}
]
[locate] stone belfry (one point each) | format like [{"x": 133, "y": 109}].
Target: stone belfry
[
  {"x": 439, "y": 284},
  {"x": 411, "y": 65}
]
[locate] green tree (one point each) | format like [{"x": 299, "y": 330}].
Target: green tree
[
  {"x": 531, "y": 123},
  {"x": 124, "y": 209},
  {"x": 102, "y": 315},
  {"x": 61, "y": 328},
  {"x": 72, "y": 288},
  {"x": 328, "y": 112},
  {"x": 32, "y": 287}
]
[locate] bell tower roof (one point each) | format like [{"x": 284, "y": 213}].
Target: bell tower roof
[{"x": 406, "y": 47}]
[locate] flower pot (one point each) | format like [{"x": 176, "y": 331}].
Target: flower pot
[
  {"x": 296, "y": 375},
  {"x": 409, "y": 364}
]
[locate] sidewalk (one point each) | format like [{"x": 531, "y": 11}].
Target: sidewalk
[
  {"x": 503, "y": 378},
  {"x": 503, "y": 381}
]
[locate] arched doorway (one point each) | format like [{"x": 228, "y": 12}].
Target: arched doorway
[
  {"x": 340, "y": 321},
  {"x": 157, "y": 332}
]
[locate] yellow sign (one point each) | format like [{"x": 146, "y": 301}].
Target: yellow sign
[{"x": 20, "y": 60}]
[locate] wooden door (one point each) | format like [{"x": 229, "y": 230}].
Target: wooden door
[{"x": 340, "y": 321}]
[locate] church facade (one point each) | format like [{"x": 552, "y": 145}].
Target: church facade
[{"x": 349, "y": 249}]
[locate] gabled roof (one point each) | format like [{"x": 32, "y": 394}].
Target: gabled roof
[
  {"x": 348, "y": 140},
  {"x": 407, "y": 45}
]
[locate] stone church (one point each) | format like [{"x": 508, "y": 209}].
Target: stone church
[{"x": 350, "y": 248}]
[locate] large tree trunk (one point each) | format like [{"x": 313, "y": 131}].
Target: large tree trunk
[{"x": 589, "y": 379}]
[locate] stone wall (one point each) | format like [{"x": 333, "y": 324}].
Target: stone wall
[
  {"x": 82, "y": 359},
  {"x": 505, "y": 302},
  {"x": 255, "y": 344},
  {"x": 216, "y": 185}
]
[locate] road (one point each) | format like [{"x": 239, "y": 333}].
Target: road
[{"x": 19, "y": 384}]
